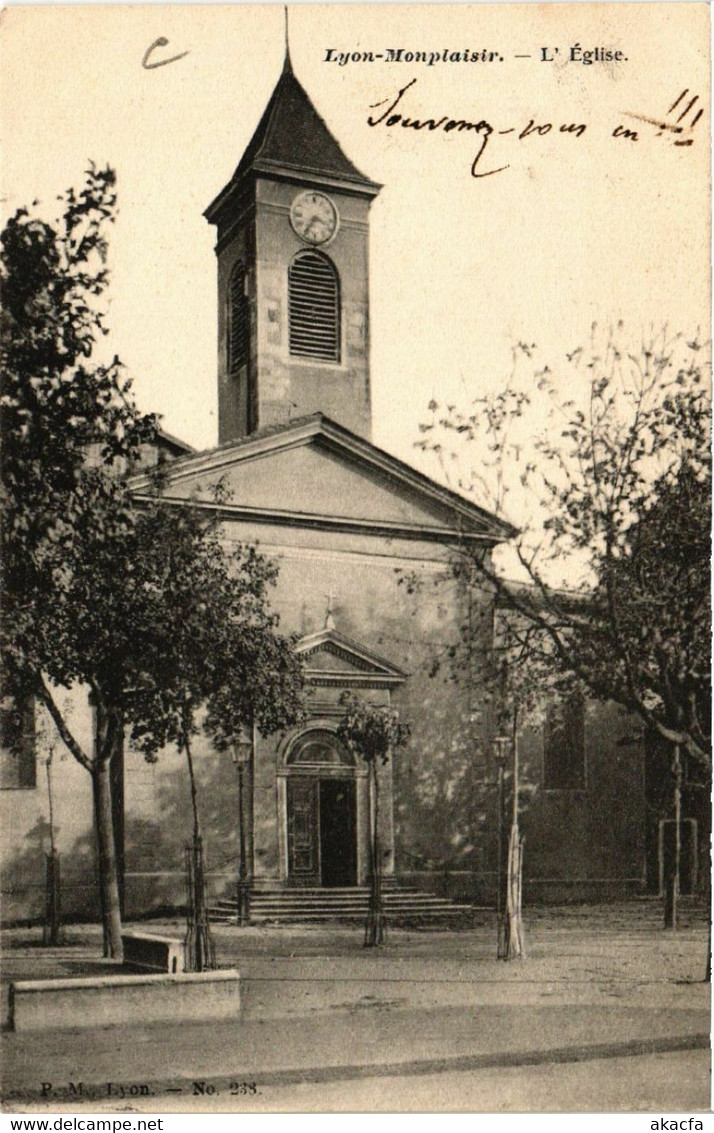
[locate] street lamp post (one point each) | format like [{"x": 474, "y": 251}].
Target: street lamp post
[
  {"x": 242, "y": 752},
  {"x": 500, "y": 752}
]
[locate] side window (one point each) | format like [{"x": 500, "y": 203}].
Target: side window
[
  {"x": 564, "y": 746},
  {"x": 314, "y": 307},
  {"x": 17, "y": 744},
  {"x": 238, "y": 321}
]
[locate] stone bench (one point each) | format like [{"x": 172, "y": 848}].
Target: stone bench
[
  {"x": 44, "y": 1005},
  {"x": 153, "y": 953}
]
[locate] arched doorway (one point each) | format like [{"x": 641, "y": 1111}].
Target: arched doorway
[{"x": 321, "y": 811}]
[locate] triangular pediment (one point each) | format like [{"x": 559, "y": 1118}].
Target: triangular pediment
[
  {"x": 314, "y": 472},
  {"x": 330, "y": 658}
]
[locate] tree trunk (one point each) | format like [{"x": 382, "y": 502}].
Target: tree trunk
[
  {"x": 192, "y": 783},
  {"x": 513, "y": 948},
  {"x": 512, "y": 945},
  {"x": 52, "y": 928},
  {"x": 52, "y": 931},
  {"x": 375, "y": 929},
  {"x": 108, "y": 735},
  {"x": 199, "y": 951},
  {"x": 108, "y": 877},
  {"x": 501, "y": 874},
  {"x": 672, "y": 881},
  {"x": 99, "y": 880},
  {"x": 708, "y": 970}
]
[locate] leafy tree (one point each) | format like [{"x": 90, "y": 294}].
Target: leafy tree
[
  {"x": 69, "y": 428},
  {"x": 607, "y": 459},
  {"x": 57, "y": 403},
  {"x": 372, "y": 732},
  {"x": 207, "y": 653},
  {"x": 485, "y": 777},
  {"x": 135, "y": 600},
  {"x": 206, "y": 637}
]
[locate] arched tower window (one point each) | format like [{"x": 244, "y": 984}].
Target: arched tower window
[
  {"x": 238, "y": 320},
  {"x": 314, "y": 307}
]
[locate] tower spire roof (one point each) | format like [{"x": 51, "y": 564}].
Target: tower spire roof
[
  {"x": 292, "y": 136},
  {"x": 287, "y": 62}
]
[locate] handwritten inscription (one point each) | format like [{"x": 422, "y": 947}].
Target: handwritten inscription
[
  {"x": 162, "y": 41},
  {"x": 394, "y": 115},
  {"x": 687, "y": 108}
]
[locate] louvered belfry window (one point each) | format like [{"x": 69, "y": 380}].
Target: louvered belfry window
[
  {"x": 314, "y": 308},
  {"x": 238, "y": 321}
]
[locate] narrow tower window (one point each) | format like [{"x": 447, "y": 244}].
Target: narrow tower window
[
  {"x": 238, "y": 320},
  {"x": 314, "y": 307}
]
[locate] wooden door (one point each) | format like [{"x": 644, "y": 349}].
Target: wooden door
[
  {"x": 338, "y": 848},
  {"x": 303, "y": 832}
]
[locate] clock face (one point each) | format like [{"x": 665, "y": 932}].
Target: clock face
[{"x": 314, "y": 217}]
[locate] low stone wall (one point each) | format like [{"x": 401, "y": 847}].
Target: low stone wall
[
  {"x": 580, "y": 891},
  {"x": 148, "y": 894},
  {"x": 43, "y": 1005},
  {"x": 152, "y": 953},
  {"x": 480, "y": 889},
  {"x": 24, "y": 904}
]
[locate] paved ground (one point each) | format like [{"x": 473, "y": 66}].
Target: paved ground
[
  {"x": 660, "y": 1083},
  {"x": 329, "y": 1023}
]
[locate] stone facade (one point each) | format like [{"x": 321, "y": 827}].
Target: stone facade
[{"x": 340, "y": 589}]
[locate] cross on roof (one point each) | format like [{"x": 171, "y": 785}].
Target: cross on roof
[{"x": 329, "y": 620}]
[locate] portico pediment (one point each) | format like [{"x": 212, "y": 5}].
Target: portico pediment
[
  {"x": 314, "y": 473},
  {"x": 332, "y": 659}
]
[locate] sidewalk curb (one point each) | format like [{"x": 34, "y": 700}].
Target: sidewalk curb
[{"x": 288, "y": 1077}]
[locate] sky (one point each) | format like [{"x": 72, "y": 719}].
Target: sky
[{"x": 581, "y": 226}]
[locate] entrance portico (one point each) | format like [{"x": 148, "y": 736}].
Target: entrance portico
[
  {"x": 324, "y": 810},
  {"x": 322, "y": 789}
]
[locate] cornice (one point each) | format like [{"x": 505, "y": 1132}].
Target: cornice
[
  {"x": 348, "y": 524},
  {"x": 319, "y": 679},
  {"x": 303, "y": 175},
  {"x": 293, "y": 175},
  {"x": 225, "y": 455}
]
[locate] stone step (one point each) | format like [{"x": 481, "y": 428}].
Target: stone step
[
  {"x": 443, "y": 917},
  {"x": 354, "y": 891},
  {"x": 306, "y": 902},
  {"x": 346, "y": 904},
  {"x": 279, "y": 914},
  {"x": 337, "y": 891},
  {"x": 349, "y": 903},
  {"x": 308, "y": 906}
]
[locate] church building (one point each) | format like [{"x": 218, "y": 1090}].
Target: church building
[{"x": 365, "y": 547}]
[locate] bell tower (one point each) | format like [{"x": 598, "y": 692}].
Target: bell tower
[{"x": 293, "y": 288}]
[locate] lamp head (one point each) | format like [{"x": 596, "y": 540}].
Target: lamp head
[
  {"x": 242, "y": 747},
  {"x": 501, "y": 745}
]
